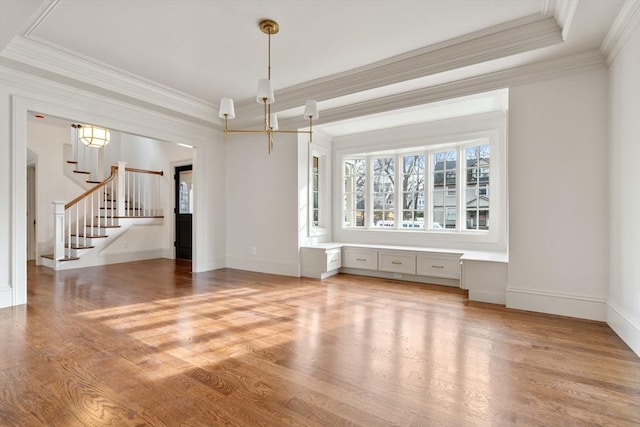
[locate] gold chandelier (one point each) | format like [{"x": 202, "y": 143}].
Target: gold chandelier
[{"x": 265, "y": 96}]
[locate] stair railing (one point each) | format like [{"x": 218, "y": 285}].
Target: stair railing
[
  {"x": 90, "y": 214},
  {"x": 143, "y": 193}
]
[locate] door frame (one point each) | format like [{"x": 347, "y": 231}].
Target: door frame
[{"x": 180, "y": 165}]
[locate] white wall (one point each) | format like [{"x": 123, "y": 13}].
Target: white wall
[
  {"x": 558, "y": 201},
  {"x": 7, "y": 257},
  {"x": 47, "y": 142},
  {"x": 262, "y": 204},
  {"x": 623, "y": 313}
]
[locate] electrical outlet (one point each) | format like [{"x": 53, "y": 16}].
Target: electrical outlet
[{"x": 253, "y": 250}]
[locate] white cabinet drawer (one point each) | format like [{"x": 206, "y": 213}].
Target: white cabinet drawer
[
  {"x": 333, "y": 259},
  {"x": 439, "y": 266},
  {"x": 397, "y": 262},
  {"x": 319, "y": 262},
  {"x": 360, "y": 258}
]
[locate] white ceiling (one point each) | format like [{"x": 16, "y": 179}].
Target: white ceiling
[{"x": 205, "y": 49}]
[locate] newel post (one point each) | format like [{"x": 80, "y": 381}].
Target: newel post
[
  {"x": 121, "y": 189},
  {"x": 58, "y": 230}
]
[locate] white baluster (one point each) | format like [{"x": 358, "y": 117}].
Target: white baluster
[{"x": 121, "y": 191}]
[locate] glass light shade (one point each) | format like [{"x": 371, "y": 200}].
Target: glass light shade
[
  {"x": 93, "y": 136},
  {"x": 226, "y": 108},
  {"x": 265, "y": 91},
  {"x": 273, "y": 121},
  {"x": 311, "y": 109}
]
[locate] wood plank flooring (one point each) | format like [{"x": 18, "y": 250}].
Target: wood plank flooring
[{"x": 150, "y": 343}]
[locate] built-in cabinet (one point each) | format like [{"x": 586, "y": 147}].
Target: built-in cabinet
[
  {"x": 484, "y": 274},
  {"x": 436, "y": 265},
  {"x": 325, "y": 260},
  {"x": 397, "y": 262},
  {"x": 362, "y": 258},
  {"x": 320, "y": 261}
]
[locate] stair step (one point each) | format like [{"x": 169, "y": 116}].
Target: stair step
[
  {"x": 93, "y": 182},
  {"x": 79, "y": 247},
  {"x": 67, "y": 258},
  {"x": 72, "y": 162},
  {"x": 131, "y": 208},
  {"x": 90, "y": 236},
  {"x": 84, "y": 172},
  {"x": 139, "y": 216}
]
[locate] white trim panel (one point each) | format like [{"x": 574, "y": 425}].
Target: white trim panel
[
  {"x": 580, "y": 306},
  {"x": 266, "y": 266},
  {"x": 626, "y": 22},
  {"x": 623, "y": 325}
]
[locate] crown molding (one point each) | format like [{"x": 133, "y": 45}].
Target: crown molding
[
  {"x": 71, "y": 65},
  {"x": 44, "y": 11},
  {"x": 510, "y": 38},
  {"x": 625, "y": 23},
  {"x": 563, "y": 10},
  {"x": 545, "y": 70},
  {"x": 53, "y": 93}
]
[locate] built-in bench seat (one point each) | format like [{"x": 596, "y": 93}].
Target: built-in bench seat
[{"x": 484, "y": 274}]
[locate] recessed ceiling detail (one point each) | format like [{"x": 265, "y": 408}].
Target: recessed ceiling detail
[{"x": 126, "y": 51}]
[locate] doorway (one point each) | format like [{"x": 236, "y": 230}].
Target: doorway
[
  {"x": 184, "y": 211},
  {"x": 31, "y": 212}
]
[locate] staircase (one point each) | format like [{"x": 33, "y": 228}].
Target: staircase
[{"x": 86, "y": 226}]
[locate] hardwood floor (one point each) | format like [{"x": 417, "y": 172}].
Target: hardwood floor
[{"x": 149, "y": 343}]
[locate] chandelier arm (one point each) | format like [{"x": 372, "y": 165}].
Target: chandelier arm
[
  {"x": 250, "y": 131},
  {"x": 291, "y": 131},
  {"x": 265, "y": 94}
]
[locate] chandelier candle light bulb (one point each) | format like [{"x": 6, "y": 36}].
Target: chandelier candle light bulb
[{"x": 266, "y": 97}]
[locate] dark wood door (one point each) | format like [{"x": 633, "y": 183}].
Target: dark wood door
[{"x": 184, "y": 211}]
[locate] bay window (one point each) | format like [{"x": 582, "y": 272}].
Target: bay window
[{"x": 440, "y": 189}]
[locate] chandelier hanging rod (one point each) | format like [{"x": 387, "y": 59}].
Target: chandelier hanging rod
[{"x": 265, "y": 96}]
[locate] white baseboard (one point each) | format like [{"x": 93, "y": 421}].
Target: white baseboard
[
  {"x": 214, "y": 264},
  {"x": 623, "y": 325},
  {"x": 487, "y": 296},
  {"x": 6, "y": 297},
  {"x": 579, "y": 306},
  {"x": 264, "y": 266},
  {"x": 114, "y": 258}
]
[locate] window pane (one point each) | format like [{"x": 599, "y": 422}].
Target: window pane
[
  {"x": 443, "y": 189},
  {"x": 185, "y": 198},
  {"x": 478, "y": 171},
  {"x": 354, "y": 192},
  {"x": 413, "y": 191},
  {"x": 384, "y": 173}
]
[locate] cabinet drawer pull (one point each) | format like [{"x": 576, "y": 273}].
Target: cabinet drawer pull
[
  {"x": 437, "y": 266},
  {"x": 396, "y": 262},
  {"x": 334, "y": 259},
  {"x": 360, "y": 259}
]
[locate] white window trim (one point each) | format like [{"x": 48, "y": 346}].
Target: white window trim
[
  {"x": 425, "y": 138},
  {"x": 324, "y": 186}
]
